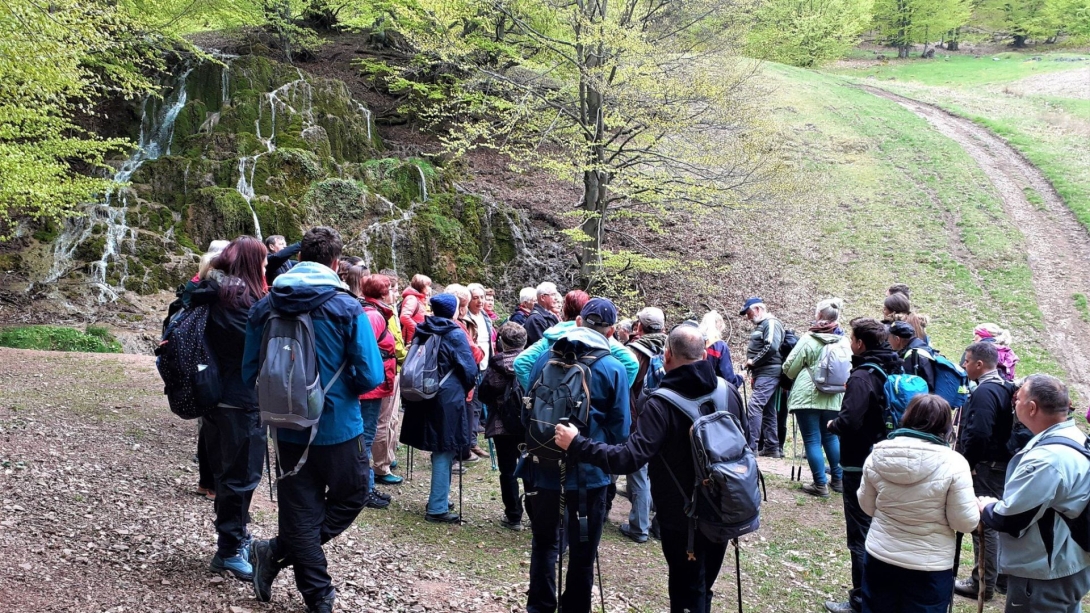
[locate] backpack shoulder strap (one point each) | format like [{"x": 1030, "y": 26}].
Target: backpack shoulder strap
[
  {"x": 871, "y": 366},
  {"x": 1084, "y": 448},
  {"x": 691, "y": 406}
]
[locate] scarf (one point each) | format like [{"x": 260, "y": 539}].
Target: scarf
[
  {"x": 931, "y": 438},
  {"x": 824, "y": 327}
]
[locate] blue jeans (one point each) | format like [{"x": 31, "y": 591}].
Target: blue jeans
[
  {"x": 639, "y": 494},
  {"x": 892, "y": 589},
  {"x": 439, "y": 498},
  {"x": 816, "y": 437},
  {"x": 370, "y": 410}
]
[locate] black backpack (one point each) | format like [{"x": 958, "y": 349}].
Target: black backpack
[
  {"x": 561, "y": 390},
  {"x": 1080, "y": 526},
  {"x": 510, "y": 407},
  {"x": 187, "y": 366},
  {"x": 790, "y": 339}
]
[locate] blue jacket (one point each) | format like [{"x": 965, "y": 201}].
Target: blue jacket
[
  {"x": 609, "y": 413},
  {"x": 342, "y": 333},
  {"x": 524, "y": 364},
  {"x": 442, "y": 423}
]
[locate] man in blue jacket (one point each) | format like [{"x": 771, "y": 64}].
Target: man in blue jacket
[
  {"x": 584, "y": 485},
  {"x": 326, "y": 495}
]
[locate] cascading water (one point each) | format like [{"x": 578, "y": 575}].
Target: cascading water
[
  {"x": 156, "y": 132},
  {"x": 423, "y": 184}
]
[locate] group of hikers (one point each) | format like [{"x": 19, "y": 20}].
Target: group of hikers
[{"x": 340, "y": 367}]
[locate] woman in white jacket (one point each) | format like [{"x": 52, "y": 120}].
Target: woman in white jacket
[{"x": 920, "y": 492}]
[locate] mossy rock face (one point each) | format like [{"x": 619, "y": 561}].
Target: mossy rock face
[{"x": 216, "y": 213}]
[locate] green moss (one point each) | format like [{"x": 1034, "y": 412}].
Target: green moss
[
  {"x": 218, "y": 212},
  {"x": 47, "y": 231},
  {"x": 190, "y": 119},
  {"x": 337, "y": 202},
  {"x": 59, "y": 338}
]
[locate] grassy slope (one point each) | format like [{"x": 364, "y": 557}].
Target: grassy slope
[
  {"x": 892, "y": 200},
  {"x": 1051, "y": 131}
]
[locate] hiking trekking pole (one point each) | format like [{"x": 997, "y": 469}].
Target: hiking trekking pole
[
  {"x": 409, "y": 461},
  {"x": 461, "y": 471},
  {"x": 268, "y": 467},
  {"x": 601, "y": 590},
  {"x": 957, "y": 563},
  {"x": 981, "y": 583},
  {"x": 560, "y": 549},
  {"x": 738, "y": 573},
  {"x": 492, "y": 454},
  {"x": 795, "y": 448}
]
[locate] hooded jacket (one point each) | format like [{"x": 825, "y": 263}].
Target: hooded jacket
[
  {"x": 918, "y": 361},
  {"x": 441, "y": 423},
  {"x": 412, "y": 312},
  {"x": 342, "y": 335},
  {"x": 1043, "y": 481},
  {"x": 524, "y": 363},
  {"x": 609, "y": 415},
  {"x": 763, "y": 349},
  {"x": 660, "y": 439},
  {"x": 643, "y": 348},
  {"x": 379, "y": 314},
  {"x": 920, "y": 493},
  {"x": 540, "y": 320},
  {"x": 987, "y": 421},
  {"x": 497, "y": 379},
  {"x": 861, "y": 422},
  {"x": 799, "y": 367},
  {"x": 226, "y": 336},
  {"x": 519, "y": 316}
]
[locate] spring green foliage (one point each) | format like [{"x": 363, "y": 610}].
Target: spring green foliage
[
  {"x": 56, "y": 61},
  {"x": 95, "y": 339},
  {"x": 1037, "y": 20},
  {"x": 906, "y": 22},
  {"x": 807, "y": 32}
]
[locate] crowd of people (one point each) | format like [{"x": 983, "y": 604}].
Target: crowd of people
[{"x": 994, "y": 468}]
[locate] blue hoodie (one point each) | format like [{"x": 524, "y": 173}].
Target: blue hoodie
[
  {"x": 609, "y": 414},
  {"x": 342, "y": 333},
  {"x": 524, "y": 364}
]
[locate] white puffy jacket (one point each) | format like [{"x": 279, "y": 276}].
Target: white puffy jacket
[{"x": 919, "y": 493}]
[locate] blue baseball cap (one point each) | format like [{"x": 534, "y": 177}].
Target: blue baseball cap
[
  {"x": 599, "y": 312},
  {"x": 749, "y": 304}
]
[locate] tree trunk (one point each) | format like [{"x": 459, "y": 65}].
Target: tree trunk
[
  {"x": 902, "y": 51},
  {"x": 1019, "y": 41},
  {"x": 952, "y": 45}
]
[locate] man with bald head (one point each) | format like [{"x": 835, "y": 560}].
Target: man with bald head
[{"x": 662, "y": 431}]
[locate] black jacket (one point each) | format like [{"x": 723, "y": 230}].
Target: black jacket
[
  {"x": 861, "y": 423},
  {"x": 661, "y": 438},
  {"x": 280, "y": 262},
  {"x": 919, "y": 365},
  {"x": 986, "y": 422},
  {"x": 226, "y": 337},
  {"x": 537, "y": 323}
]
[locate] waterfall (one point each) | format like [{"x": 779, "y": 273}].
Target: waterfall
[
  {"x": 423, "y": 184},
  {"x": 245, "y": 187},
  {"x": 225, "y": 85},
  {"x": 156, "y": 132},
  {"x": 367, "y": 116}
]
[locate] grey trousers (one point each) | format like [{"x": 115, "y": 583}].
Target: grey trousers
[
  {"x": 762, "y": 412},
  {"x": 1047, "y": 596}
]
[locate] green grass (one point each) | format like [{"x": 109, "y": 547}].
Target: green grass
[
  {"x": 961, "y": 70},
  {"x": 1082, "y": 306},
  {"x": 891, "y": 200},
  {"x": 94, "y": 339}
]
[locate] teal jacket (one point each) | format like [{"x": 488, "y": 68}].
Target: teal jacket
[
  {"x": 524, "y": 364},
  {"x": 798, "y": 367}
]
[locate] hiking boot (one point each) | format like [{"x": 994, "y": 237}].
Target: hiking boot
[
  {"x": 236, "y": 565},
  {"x": 393, "y": 464},
  {"x": 632, "y": 534},
  {"x": 445, "y": 518},
  {"x": 816, "y": 489},
  {"x": 390, "y": 479},
  {"x": 324, "y": 605},
  {"x": 265, "y": 569},
  {"x": 773, "y": 452},
  {"x": 472, "y": 458},
  {"x": 481, "y": 453},
  {"x": 838, "y": 607},
  {"x": 971, "y": 589},
  {"x": 207, "y": 492},
  {"x": 512, "y": 524},
  {"x": 457, "y": 469},
  {"x": 378, "y": 500},
  {"x": 837, "y": 485}
]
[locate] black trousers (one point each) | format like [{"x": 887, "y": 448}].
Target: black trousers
[
  {"x": 316, "y": 505},
  {"x": 989, "y": 480},
  {"x": 236, "y": 442},
  {"x": 690, "y": 581},
  {"x": 507, "y": 457},
  {"x": 857, "y": 524},
  {"x": 206, "y": 460},
  {"x": 892, "y": 589},
  {"x": 579, "y": 581}
]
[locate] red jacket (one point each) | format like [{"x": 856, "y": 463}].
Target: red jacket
[
  {"x": 379, "y": 314},
  {"x": 412, "y": 313}
]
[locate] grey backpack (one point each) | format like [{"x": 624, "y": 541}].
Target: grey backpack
[
  {"x": 420, "y": 372},
  {"x": 289, "y": 386},
  {"x": 834, "y": 365}
]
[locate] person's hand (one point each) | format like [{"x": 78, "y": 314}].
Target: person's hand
[
  {"x": 829, "y": 426},
  {"x": 748, "y": 365},
  {"x": 984, "y": 501},
  {"x": 565, "y": 435}
]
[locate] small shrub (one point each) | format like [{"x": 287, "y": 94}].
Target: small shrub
[{"x": 96, "y": 339}]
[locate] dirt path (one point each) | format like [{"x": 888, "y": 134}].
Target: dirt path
[{"x": 1057, "y": 244}]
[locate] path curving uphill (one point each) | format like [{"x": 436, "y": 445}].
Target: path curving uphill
[{"x": 1058, "y": 246}]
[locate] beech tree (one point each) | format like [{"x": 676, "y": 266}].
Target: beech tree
[
  {"x": 904, "y": 23},
  {"x": 807, "y": 32}
]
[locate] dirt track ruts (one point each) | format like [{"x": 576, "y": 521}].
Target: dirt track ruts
[{"x": 1057, "y": 245}]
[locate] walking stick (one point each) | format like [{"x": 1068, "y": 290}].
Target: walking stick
[
  {"x": 981, "y": 583},
  {"x": 738, "y": 572},
  {"x": 461, "y": 471},
  {"x": 601, "y": 591},
  {"x": 794, "y": 448},
  {"x": 268, "y": 467},
  {"x": 409, "y": 461},
  {"x": 492, "y": 454},
  {"x": 957, "y": 563}
]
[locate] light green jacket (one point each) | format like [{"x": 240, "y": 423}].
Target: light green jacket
[
  {"x": 798, "y": 366},
  {"x": 524, "y": 363}
]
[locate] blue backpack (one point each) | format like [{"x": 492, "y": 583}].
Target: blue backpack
[
  {"x": 656, "y": 368},
  {"x": 899, "y": 390},
  {"x": 951, "y": 382}
]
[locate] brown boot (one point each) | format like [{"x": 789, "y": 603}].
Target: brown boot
[{"x": 476, "y": 449}]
